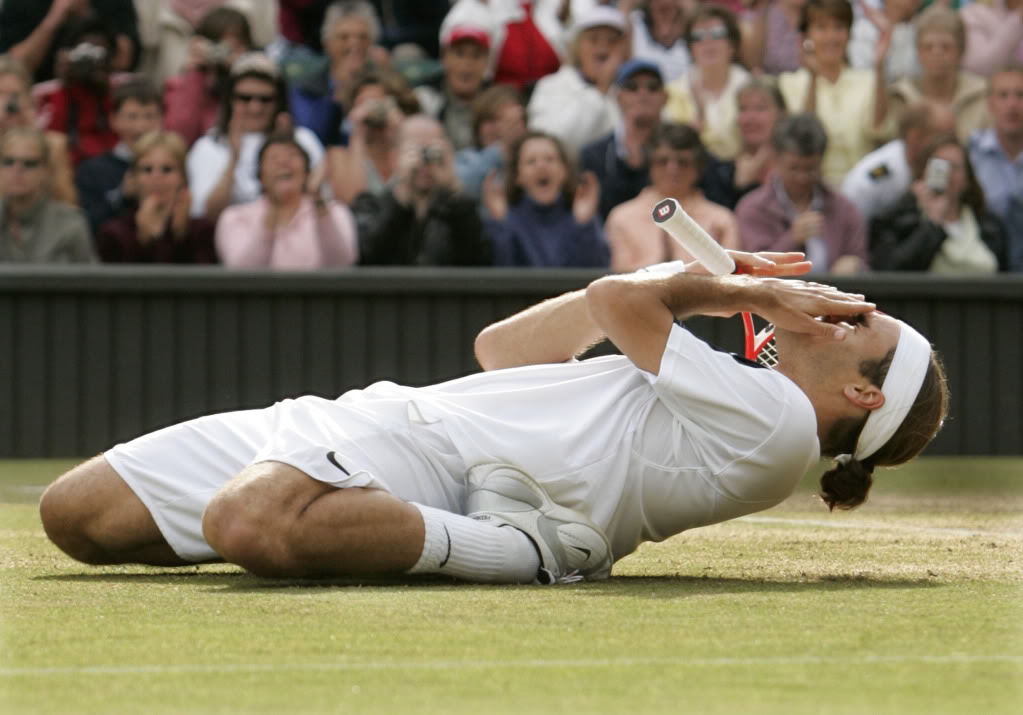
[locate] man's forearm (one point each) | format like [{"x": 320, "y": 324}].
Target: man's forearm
[{"x": 550, "y": 332}]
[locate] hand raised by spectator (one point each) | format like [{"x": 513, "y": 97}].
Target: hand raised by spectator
[
  {"x": 587, "y": 198},
  {"x": 493, "y": 196},
  {"x": 180, "y": 213},
  {"x": 749, "y": 168},
  {"x": 808, "y": 57},
  {"x": 806, "y": 225},
  {"x": 151, "y": 219},
  {"x": 235, "y": 131},
  {"x": 933, "y": 206},
  {"x": 61, "y": 9}
]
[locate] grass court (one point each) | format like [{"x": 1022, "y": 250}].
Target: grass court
[{"x": 910, "y": 604}]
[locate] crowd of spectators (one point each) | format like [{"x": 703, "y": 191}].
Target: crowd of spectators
[{"x": 303, "y": 134}]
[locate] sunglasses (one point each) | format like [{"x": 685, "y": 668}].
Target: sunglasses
[
  {"x": 634, "y": 85},
  {"x": 149, "y": 169},
  {"x": 715, "y": 33},
  {"x": 261, "y": 98},
  {"x": 683, "y": 162},
  {"x": 9, "y": 162}
]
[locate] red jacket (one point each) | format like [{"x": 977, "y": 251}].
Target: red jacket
[{"x": 85, "y": 118}]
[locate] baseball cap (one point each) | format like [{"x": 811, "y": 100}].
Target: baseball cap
[
  {"x": 599, "y": 16},
  {"x": 472, "y": 33},
  {"x": 635, "y": 66}
]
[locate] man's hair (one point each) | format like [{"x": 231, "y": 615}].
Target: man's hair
[
  {"x": 31, "y": 133},
  {"x": 394, "y": 85},
  {"x": 840, "y": 10},
  {"x": 512, "y": 190},
  {"x": 918, "y": 115},
  {"x": 159, "y": 139},
  {"x": 139, "y": 91},
  {"x": 679, "y": 137},
  {"x": 801, "y": 134},
  {"x": 942, "y": 19},
  {"x": 1014, "y": 67},
  {"x": 489, "y": 103},
  {"x": 973, "y": 194},
  {"x": 351, "y": 8},
  {"x": 846, "y": 485},
  {"x": 767, "y": 88},
  {"x": 221, "y": 20},
  {"x": 14, "y": 67},
  {"x": 702, "y": 13}
]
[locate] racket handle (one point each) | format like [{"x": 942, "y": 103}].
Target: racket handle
[{"x": 669, "y": 215}]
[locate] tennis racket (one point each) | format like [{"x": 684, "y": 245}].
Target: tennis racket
[{"x": 670, "y": 216}]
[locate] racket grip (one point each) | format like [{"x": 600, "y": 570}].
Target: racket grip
[{"x": 669, "y": 215}]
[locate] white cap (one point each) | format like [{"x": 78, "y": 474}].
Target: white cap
[{"x": 599, "y": 16}]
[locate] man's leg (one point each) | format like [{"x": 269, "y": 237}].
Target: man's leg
[
  {"x": 92, "y": 515},
  {"x": 275, "y": 520}
]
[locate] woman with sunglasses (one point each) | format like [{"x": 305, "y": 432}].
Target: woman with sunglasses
[
  {"x": 33, "y": 227},
  {"x": 158, "y": 229},
  {"x": 706, "y": 96},
  {"x": 223, "y": 164}
]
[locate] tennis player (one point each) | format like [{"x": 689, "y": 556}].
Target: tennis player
[{"x": 542, "y": 468}]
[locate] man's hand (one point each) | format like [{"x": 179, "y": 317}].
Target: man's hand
[
  {"x": 587, "y": 198},
  {"x": 763, "y": 263},
  {"x": 493, "y": 196},
  {"x": 806, "y": 225},
  {"x": 794, "y": 306}
]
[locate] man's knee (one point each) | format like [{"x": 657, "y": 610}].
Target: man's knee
[{"x": 67, "y": 517}]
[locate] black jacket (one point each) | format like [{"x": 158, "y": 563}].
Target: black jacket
[
  {"x": 99, "y": 181},
  {"x": 904, "y": 239}
]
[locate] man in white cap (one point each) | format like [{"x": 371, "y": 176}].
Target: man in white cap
[
  {"x": 540, "y": 468},
  {"x": 575, "y": 103}
]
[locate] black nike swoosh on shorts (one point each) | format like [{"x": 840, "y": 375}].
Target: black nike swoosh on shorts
[
  {"x": 333, "y": 460},
  {"x": 585, "y": 551}
]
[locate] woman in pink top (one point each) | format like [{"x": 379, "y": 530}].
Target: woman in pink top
[
  {"x": 994, "y": 35},
  {"x": 288, "y": 227}
]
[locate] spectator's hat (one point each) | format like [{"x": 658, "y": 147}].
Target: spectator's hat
[
  {"x": 466, "y": 21},
  {"x": 599, "y": 16},
  {"x": 633, "y": 67},
  {"x": 255, "y": 63}
]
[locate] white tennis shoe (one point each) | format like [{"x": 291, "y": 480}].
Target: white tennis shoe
[{"x": 571, "y": 547}]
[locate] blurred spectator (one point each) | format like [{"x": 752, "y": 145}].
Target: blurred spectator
[
  {"x": 941, "y": 225},
  {"x": 222, "y": 165},
  {"x": 319, "y": 100},
  {"x": 33, "y": 227},
  {"x": 412, "y": 22},
  {"x": 499, "y": 119},
  {"x": 619, "y": 160},
  {"x": 82, "y": 105},
  {"x": 796, "y": 211},
  {"x": 771, "y": 36},
  {"x": 30, "y": 30},
  {"x": 421, "y": 218},
  {"x": 465, "y": 43},
  {"x": 18, "y": 110},
  {"x": 997, "y": 157},
  {"x": 676, "y": 161},
  {"x": 192, "y": 97},
  {"x": 155, "y": 227},
  {"x": 103, "y": 182},
  {"x": 895, "y": 18},
  {"x": 301, "y": 22},
  {"x": 880, "y": 178},
  {"x": 541, "y": 218},
  {"x": 658, "y": 34},
  {"x": 380, "y": 101},
  {"x": 760, "y": 106},
  {"x": 574, "y": 103},
  {"x": 851, "y": 103},
  {"x": 168, "y": 29},
  {"x": 940, "y": 42},
  {"x": 994, "y": 35},
  {"x": 290, "y": 226},
  {"x": 705, "y": 98},
  {"x": 527, "y": 41}
]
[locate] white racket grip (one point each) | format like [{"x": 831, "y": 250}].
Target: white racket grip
[{"x": 669, "y": 215}]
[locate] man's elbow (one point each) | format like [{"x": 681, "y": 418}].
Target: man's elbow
[
  {"x": 486, "y": 349},
  {"x": 603, "y": 297}
]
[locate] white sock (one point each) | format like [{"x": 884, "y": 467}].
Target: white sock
[{"x": 474, "y": 550}]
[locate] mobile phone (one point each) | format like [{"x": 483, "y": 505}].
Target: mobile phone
[{"x": 936, "y": 175}]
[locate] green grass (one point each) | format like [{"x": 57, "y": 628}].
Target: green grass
[{"x": 913, "y": 604}]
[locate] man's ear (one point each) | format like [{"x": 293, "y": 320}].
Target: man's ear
[{"x": 867, "y": 397}]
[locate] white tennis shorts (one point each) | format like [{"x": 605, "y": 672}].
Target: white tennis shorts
[{"x": 177, "y": 470}]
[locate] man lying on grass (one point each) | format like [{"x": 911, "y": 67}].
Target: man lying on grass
[{"x": 541, "y": 468}]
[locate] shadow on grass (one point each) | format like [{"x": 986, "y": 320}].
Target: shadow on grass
[{"x": 655, "y": 587}]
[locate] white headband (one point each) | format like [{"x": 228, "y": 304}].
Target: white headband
[{"x": 900, "y": 388}]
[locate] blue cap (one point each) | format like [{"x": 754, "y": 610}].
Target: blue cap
[{"x": 635, "y": 66}]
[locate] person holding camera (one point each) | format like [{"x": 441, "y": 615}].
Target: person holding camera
[
  {"x": 192, "y": 96},
  {"x": 223, "y": 165},
  {"x": 18, "y": 110},
  {"x": 291, "y": 226},
  {"x": 941, "y": 224},
  {"x": 422, "y": 218},
  {"x": 157, "y": 228}
]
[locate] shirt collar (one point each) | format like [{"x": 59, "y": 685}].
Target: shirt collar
[{"x": 782, "y": 196}]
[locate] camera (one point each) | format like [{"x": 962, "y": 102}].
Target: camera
[
  {"x": 433, "y": 155},
  {"x": 377, "y": 116},
  {"x": 936, "y": 175}
]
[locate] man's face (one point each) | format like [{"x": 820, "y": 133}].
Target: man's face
[
  {"x": 598, "y": 48},
  {"x": 465, "y": 63},
  {"x": 674, "y": 172},
  {"x": 348, "y": 38},
  {"x": 756, "y": 119},
  {"x": 134, "y": 120},
  {"x": 426, "y": 142},
  {"x": 254, "y": 102},
  {"x": 641, "y": 98},
  {"x": 799, "y": 174},
  {"x": 939, "y": 53},
  {"x": 1005, "y": 102},
  {"x": 22, "y": 168}
]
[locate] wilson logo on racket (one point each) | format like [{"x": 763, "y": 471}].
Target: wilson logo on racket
[{"x": 664, "y": 210}]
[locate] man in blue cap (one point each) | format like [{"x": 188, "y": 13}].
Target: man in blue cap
[{"x": 619, "y": 160}]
